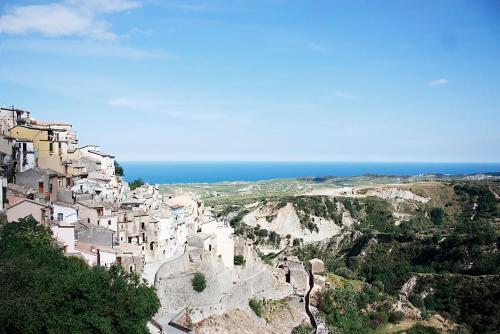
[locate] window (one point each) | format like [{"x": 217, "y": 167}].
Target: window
[
  {"x": 143, "y": 237},
  {"x": 40, "y": 187},
  {"x": 131, "y": 269},
  {"x": 142, "y": 226},
  {"x": 51, "y": 147},
  {"x": 60, "y": 217},
  {"x": 109, "y": 222},
  {"x": 151, "y": 246},
  {"x": 129, "y": 240},
  {"x": 121, "y": 238}
]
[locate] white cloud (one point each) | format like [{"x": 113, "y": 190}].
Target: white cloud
[
  {"x": 82, "y": 48},
  {"x": 68, "y": 18},
  {"x": 438, "y": 82}
]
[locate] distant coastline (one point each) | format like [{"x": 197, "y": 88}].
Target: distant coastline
[{"x": 211, "y": 172}]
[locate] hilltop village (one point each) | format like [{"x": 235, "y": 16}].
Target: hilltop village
[
  {"x": 79, "y": 194},
  {"x": 281, "y": 256}
]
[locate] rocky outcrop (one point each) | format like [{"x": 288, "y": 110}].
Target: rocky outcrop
[
  {"x": 397, "y": 195},
  {"x": 285, "y": 221}
]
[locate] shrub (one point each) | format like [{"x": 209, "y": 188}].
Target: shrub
[
  {"x": 377, "y": 319},
  {"x": 136, "y": 184},
  {"x": 199, "y": 282},
  {"x": 256, "y": 306},
  {"x": 396, "y": 316},
  {"x": 303, "y": 329},
  {"x": 437, "y": 215},
  {"x": 239, "y": 260}
]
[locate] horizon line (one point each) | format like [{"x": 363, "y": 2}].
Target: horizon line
[{"x": 307, "y": 161}]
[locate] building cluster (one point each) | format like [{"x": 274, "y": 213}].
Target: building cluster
[{"x": 93, "y": 214}]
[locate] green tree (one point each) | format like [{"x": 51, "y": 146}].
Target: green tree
[
  {"x": 257, "y": 306},
  {"x": 136, "y": 184},
  {"x": 199, "y": 282},
  {"x": 43, "y": 291},
  {"x": 118, "y": 169},
  {"x": 239, "y": 260},
  {"x": 437, "y": 215}
]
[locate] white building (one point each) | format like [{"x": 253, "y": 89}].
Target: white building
[
  {"x": 223, "y": 239},
  {"x": 26, "y": 157},
  {"x": 64, "y": 213},
  {"x": 105, "y": 161}
]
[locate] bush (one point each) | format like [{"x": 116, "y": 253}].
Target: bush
[
  {"x": 437, "y": 216},
  {"x": 303, "y": 329},
  {"x": 136, "y": 184},
  {"x": 239, "y": 260},
  {"x": 377, "y": 319},
  {"x": 396, "y": 316},
  {"x": 199, "y": 282},
  {"x": 256, "y": 305}
]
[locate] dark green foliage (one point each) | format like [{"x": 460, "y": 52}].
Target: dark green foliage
[
  {"x": 199, "y": 282},
  {"x": 239, "y": 260},
  {"x": 42, "y": 291},
  {"x": 396, "y": 317},
  {"x": 136, "y": 184},
  {"x": 118, "y": 169},
  {"x": 343, "y": 312},
  {"x": 303, "y": 329},
  {"x": 256, "y": 305},
  {"x": 378, "y": 216},
  {"x": 436, "y": 215},
  {"x": 236, "y": 221},
  {"x": 227, "y": 210},
  {"x": 477, "y": 201},
  {"x": 468, "y": 300}
]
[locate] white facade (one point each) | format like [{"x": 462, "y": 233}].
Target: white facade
[
  {"x": 64, "y": 213},
  {"x": 106, "y": 161},
  {"x": 65, "y": 234},
  {"x": 224, "y": 240},
  {"x": 26, "y": 158}
]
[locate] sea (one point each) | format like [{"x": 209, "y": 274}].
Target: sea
[{"x": 211, "y": 172}]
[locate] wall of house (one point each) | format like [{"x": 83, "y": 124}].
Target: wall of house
[
  {"x": 90, "y": 258},
  {"x": 109, "y": 221},
  {"x": 26, "y": 158},
  {"x": 65, "y": 235},
  {"x": 95, "y": 236},
  {"x": 87, "y": 214},
  {"x": 70, "y": 215},
  {"x": 25, "y": 209},
  {"x": 107, "y": 258},
  {"x": 31, "y": 178}
]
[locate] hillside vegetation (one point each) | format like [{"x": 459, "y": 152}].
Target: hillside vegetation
[
  {"x": 42, "y": 291},
  {"x": 450, "y": 246}
]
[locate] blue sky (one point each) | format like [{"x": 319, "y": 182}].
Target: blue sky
[{"x": 261, "y": 79}]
